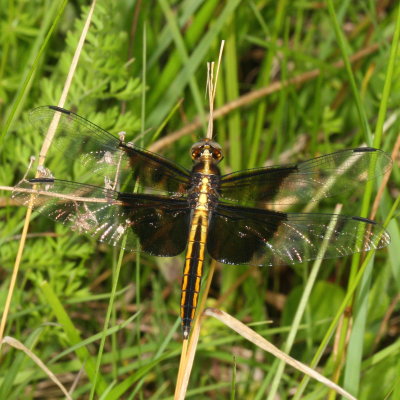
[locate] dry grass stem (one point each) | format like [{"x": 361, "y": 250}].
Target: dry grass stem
[
  {"x": 185, "y": 368},
  {"x": 19, "y": 346},
  {"x": 262, "y": 343},
  {"x": 211, "y": 89},
  {"x": 189, "y": 346}
]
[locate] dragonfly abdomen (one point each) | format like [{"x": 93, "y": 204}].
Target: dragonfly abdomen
[{"x": 193, "y": 269}]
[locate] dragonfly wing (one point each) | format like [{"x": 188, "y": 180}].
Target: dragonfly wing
[
  {"x": 306, "y": 181},
  {"x": 156, "y": 225},
  {"x": 120, "y": 164},
  {"x": 241, "y": 235}
]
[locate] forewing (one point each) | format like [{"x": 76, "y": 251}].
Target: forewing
[
  {"x": 241, "y": 235},
  {"x": 117, "y": 163},
  {"x": 156, "y": 225},
  {"x": 306, "y": 181}
]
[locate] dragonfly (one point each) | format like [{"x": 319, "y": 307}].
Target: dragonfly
[{"x": 148, "y": 203}]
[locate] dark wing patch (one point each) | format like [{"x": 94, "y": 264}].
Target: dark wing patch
[
  {"x": 159, "y": 224},
  {"x": 237, "y": 235},
  {"x": 306, "y": 181},
  {"x": 241, "y": 235},
  {"x": 100, "y": 153}
]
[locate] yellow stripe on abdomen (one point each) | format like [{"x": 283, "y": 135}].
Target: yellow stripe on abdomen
[{"x": 193, "y": 269}]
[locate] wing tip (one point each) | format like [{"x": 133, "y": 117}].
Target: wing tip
[
  {"x": 41, "y": 180},
  {"x": 56, "y": 108},
  {"x": 366, "y": 220},
  {"x": 365, "y": 150},
  {"x": 383, "y": 158}
]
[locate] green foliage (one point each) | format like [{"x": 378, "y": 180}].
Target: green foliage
[
  {"x": 64, "y": 284},
  {"x": 325, "y": 299}
]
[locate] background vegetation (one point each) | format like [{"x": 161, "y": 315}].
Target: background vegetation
[{"x": 149, "y": 59}]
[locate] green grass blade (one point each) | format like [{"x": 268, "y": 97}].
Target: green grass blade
[
  {"x": 107, "y": 319},
  {"x": 184, "y": 56},
  {"x": 349, "y": 294},
  {"x": 54, "y": 15},
  {"x": 73, "y": 336},
  {"x": 98, "y": 336},
  {"x": 18, "y": 365},
  {"x": 192, "y": 36},
  {"x": 352, "y": 371},
  {"x": 189, "y": 8},
  {"x": 195, "y": 61},
  {"x": 392, "y": 68},
  {"x": 232, "y": 92},
  {"x": 257, "y": 121},
  {"x": 344, "y": 48},
  {"x": 301, "y": 309},
  {"x": 125, "y": 385}
]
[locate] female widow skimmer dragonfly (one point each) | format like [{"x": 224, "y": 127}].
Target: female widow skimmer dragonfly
[{"x": 228, "y": 216}]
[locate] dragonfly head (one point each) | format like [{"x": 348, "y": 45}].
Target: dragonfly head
[{"x": 206, "y": 149}]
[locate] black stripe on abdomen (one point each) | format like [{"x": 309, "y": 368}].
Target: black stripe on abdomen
[{"x": 193, "y": 271}]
